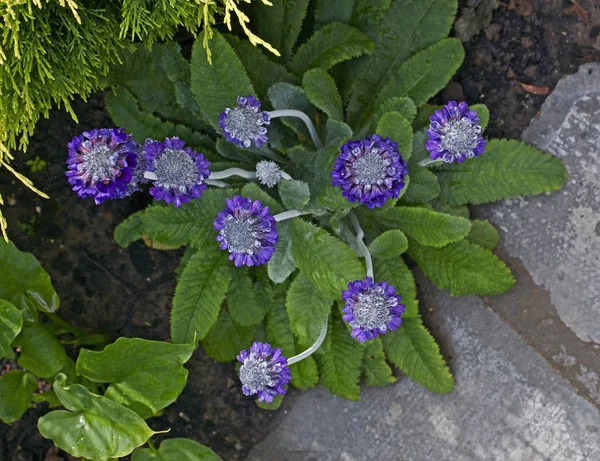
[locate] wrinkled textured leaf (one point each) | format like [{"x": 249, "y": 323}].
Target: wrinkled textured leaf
[
  {"x": 176, "y": 450},
  {"x": 130, "y": 230},
  {"x": 375, "y": 369},
  {"x": 305, "y": 374},
  {"x": 307, "y": 309},
  {"x": 389, "y": 244},
  {"x": 403, "y": 105},
  {"x": 322, "y": 91},
  {"x": 241, "y": 299},
  {"x": 398, "y": 129},
  {"x": 424, "y": 185},
  {"x": 483, "y": 234},
  {"x": 16, "y": 389},
  {"x": 227, "y": 338},
  {"x": 253, "y": 191},
  {"x": 282, "y": 264},
  {"x": 286, "y": 96},
  {"x": 337, "y": 133},
  {"x": 396, "y": 273},
  {"x": 295, "y": 195},
  {"x": 11, "y": 322}
]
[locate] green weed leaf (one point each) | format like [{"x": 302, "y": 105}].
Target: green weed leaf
[{"x": 16, "y": 390}]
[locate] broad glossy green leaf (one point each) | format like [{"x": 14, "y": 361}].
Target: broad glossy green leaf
[
  {"x": 415, "y": 352},
  {"x": 307, "y": 309},
  {"x": 507, "y": 169},
  {"x": 396, "y": 273},
  {"x": 16, "y": 389},
  {"x": 389, "y": 244},
  {"x": 295, "y": 195},
  {"x": 375, "y": 369},
  {"x": 176, "y": 450},
  {"x": 145, "y": 376},
  {"x": 395, "y": 126},
  {"x": 282, "y": 264},
  {"x": 11, "y": 322},
  {"x": 130, "y": 230},
  {"x": 227, "y": 338},
  {"x": 41, "y": 352},
  {"x": 322, "y": 91},
  {"x": 483, "y": 234},
  {"x": 24, "y": 282},
  {"x": 94, "y": 427},
  {"x": 242, "y": 301}
]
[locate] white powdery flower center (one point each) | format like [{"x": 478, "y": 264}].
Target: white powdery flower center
[
  {"x": 244, "y": 123},
  {"x": 176, "y": 170},
  {"x": 372, "y": 310},
  {"x": 255, "y": 374},
  {"x": 98, "y": 162},
  {"x": 268, "y": 173},
  {"x": 240, "y": 234},
  {"x": 370, "y": 168},
  {"x": 460, "y": 137}
]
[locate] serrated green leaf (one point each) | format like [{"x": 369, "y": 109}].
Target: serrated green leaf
[
  {"x": 25, "y": 283},
  {"x": 286, "y": 96},
  {"x": 423, "y": 114},
  {"x": 341, "y": 363},
  {"x": 130, "y": 230},
  {"x": 227, "y": 338},
  {"x": 176, "y": 450},
  {"x": 483, "y": 113},
  {"x": 327, "y": 11},
  {"x": 305, "y": 374},
  {"x": 390, "y": 244},
  {"x": 327, "y": 262},
  {"x": 94, "y": 427},
  {"x": 483, "y": 234},
  {"x": 280, "y": 24},
  {"x": 16, "y": 389},
  {"x": 425, "y": 73},
  {"x": 191, "y": 223},
  {"x": 183, "y": 262},
  {"x": 397, "y": 274},
  {"x": 241, "y": 299},
  {"x": 322, "y": 91},
  {"x": 279, "y": 331},
  {"x": 398, "y": 129},
  {"x": 145, "y": 376},
  {"x": 11, "y": 322},
  {"x": 199, "y": 295},
  {"x": 507, "y": 169},
  {"x": 217, "y": 85},
  {"x": 463, "y": 268},
  {"x": 230, "y": 151},
  {"x": 334, "y": 43},
  {"x": 307, "y": 308},
  {"x": 424, "y": 185},
  {"x": 428, "y": 227},
  {"x": 282, "y": 264},
  {"x": 415, "y": 352},
  {"x": 375, "y": 369},
  {"x": 403, "y": 105},
  {"x": 459, "y": 210},
  {"x": 337, "y": 132},
  {"x": 254, "y": 191},
  {"x": 295, "y": 195}
]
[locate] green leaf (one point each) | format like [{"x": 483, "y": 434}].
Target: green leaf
[
  {"x": 459, "y": 210},
  {"x": 253, "y": 191},
  {"x": 145, "y": 376},
  {"x": 241, "y": 299},
  {"x": 327, "y": 11},
  {"x": 340, "y": 364},
  {"x": 41, "y": 352},
  {"x": 281, "y": 23},
  {"x": 227, "y": 338},
  {"x": 415, "y": 352},
  {"x": 483, "y": 234},
  {"x": 24, "y": 283},
  {"x": 322, "y": 91},
  {"x": 390, "y": 244},
  {"x": 295, "y": 195},
  {"x": 337, "y": 132},
  {"x": 279, "y": 331},
  {"x": 330, "y": 45},
  {"x": 403, "y": 105},
  {"x": 426, "y": 73},
  {"x": 484, "y": 115},
  {"x": 11, "y": 322},
  {"x": 307, "y": 308},
  {"x": 507, "y": 169},
  {"x": 463, "y": 268},
  {"x": 199, "y": 295},
  {"x": 427, "y": 227},
  {"x": 282, "y": 264},
  {"x": 176, "y": 450},
  {"x": 305, "y": 374},
  {"x": 396, "y": 273},
  {"x": 408, "y": 27},
  {"x": 274, "y": 405},
  {"x": 398, "y": 129},
  {"x": 191, "y": 223},
  {"x": 16, "y": 389},
  {"x": 94, "y": 427},
  {"x": 130, "y": 230},
  {"x": 327, "y": 262},
  {"x": 424, "y": 185},
  {"x": 374, "y": 367},
  {"x": 286, "y": 96},
  {"x": 217, "y": 85}
]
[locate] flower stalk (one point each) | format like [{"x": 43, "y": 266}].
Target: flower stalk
[{"x": 302, "y": 116}]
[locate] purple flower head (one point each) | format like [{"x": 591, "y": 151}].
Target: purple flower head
[
  {"x": 101, "y": 163},
  {"x": 181, "y": 172},
  {"x": 370, "y": 170},
  {"x": 268, "y": 173},
  {"x": 454, "y": 133},
  {"x": 247, "y": 230},
  {"x": 264, "y": 371},
  {"x": 244, "y": 124},
  {"x": 137, "y": 176},
  {"x": 372, "y": 309}
]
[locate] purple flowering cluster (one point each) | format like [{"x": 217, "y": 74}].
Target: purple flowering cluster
[
  {"x": 264, "y": 372},
  {"x": 245, "y": 123}
]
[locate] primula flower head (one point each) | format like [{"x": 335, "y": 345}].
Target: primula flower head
[
  {"x": 264, "y": 371},
  {"x": 455, "y": 134},
  {"x": 372, "y": 308},
  {"x": 247, "y": 231},
  {"x": 370, "y": 170},
  {"x": 268, "y": 173},
  {"x": 181, "y": 172},
  {"x": 101, "y": 163},
  {"x": 245, "y": 123}
]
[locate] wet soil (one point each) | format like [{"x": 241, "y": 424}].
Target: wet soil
[{"x": 128, "y": 292}]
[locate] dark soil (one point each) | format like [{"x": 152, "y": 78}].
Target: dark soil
[{"x": 128, "y": 292}]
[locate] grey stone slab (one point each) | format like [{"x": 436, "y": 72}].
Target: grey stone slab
[
  {"x": 508, "y": 405},
  {"x": 557, "y": 236}
]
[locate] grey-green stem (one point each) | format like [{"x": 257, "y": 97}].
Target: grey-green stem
[
  {"x": 311, "y": 349},
  {"x": 360, "y": 235},
  {"x": 429, "y": 161},
  {"x": 302, "y": 116}
]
